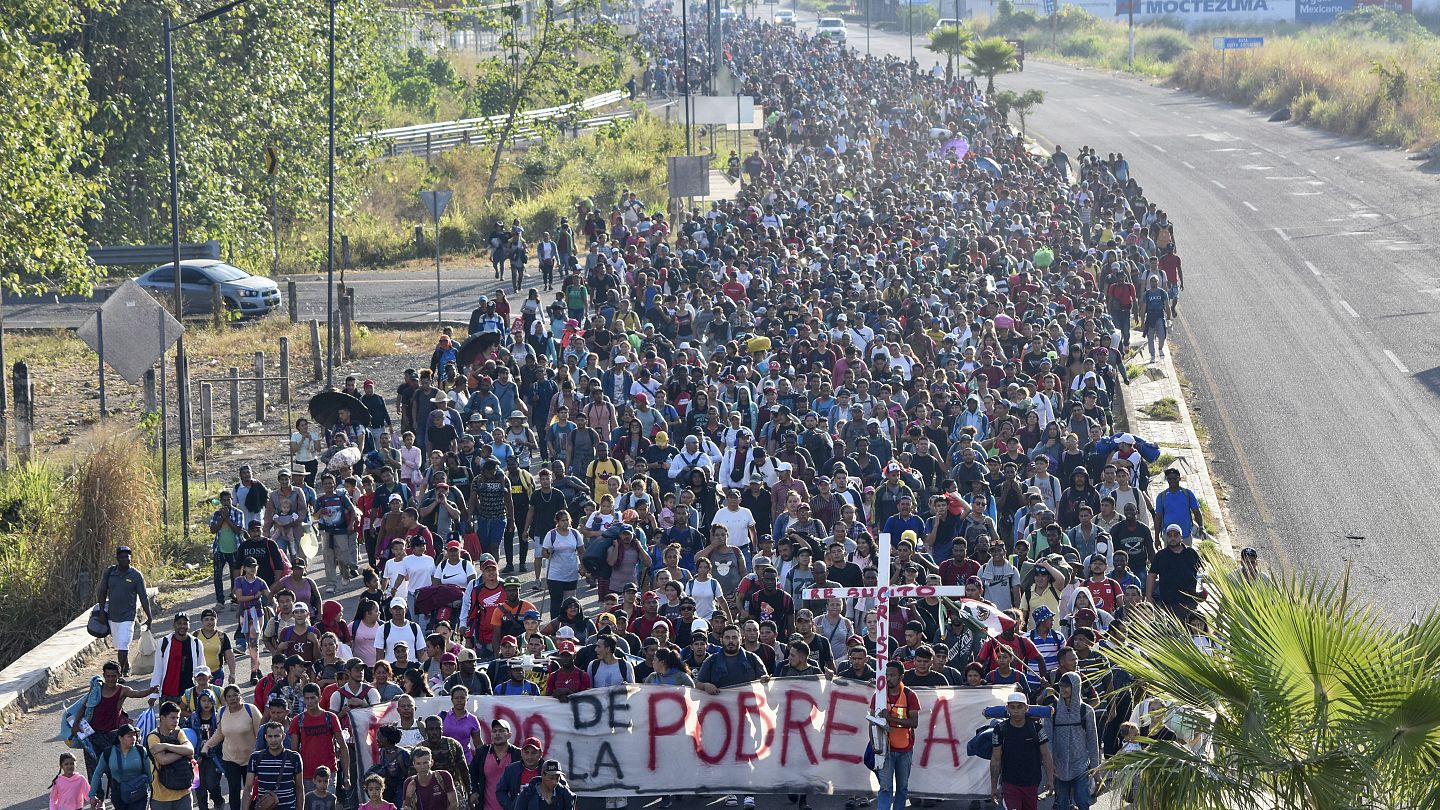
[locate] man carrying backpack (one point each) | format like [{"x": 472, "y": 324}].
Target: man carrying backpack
[
  {"x": 1021, "y": 749},
  {"x": 1077, "y": 745},
  {"x": 172, "y": 754},
  {"x": 732, "y": 667}
]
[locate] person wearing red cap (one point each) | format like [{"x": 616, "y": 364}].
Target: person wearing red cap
[
  {"x": 644, "y": 624},
  {"x": 566, "y": 679},
  {"x": 483, "y": 594},
  {"x": 519, "y": 773}
]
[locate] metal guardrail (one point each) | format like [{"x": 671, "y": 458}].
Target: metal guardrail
[
  {"x": 426, "y": 139},
  {"x": 120, "y": 255}
]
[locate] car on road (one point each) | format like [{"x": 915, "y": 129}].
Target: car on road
[
  {"x": 240, "y": 293},
  {"x": 785, "y": 16},
  {"x": 945, "y": 22},
  {"x": 727, "y": 14},
  {"x": 831, "y": 28}
]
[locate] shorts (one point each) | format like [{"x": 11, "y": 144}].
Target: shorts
[
  {"x": 1174, "y": 290},
  {"x": 122, "y": 633}
]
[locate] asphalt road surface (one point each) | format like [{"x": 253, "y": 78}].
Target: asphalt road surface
[{"x": 1310, "y": 327}]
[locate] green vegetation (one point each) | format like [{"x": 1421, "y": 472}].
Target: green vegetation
[
  {"x": 1165, "y": 408},
  {"x": 1372, "y": 73},
  {"x": 953, "y": 41},
  {"x": 1020, "y": 104},
  {"x": 60, "y": 523},
  {"x": 538, "y": 184},
  {"x": 1306, "y": 696},
  {"x": 991, "y": 57}
]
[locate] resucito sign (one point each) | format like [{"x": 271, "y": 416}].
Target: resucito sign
[{"x": 784, "y": 736}]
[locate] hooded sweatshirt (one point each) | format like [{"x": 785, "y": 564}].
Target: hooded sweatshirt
[{"x": 1074, "y": 739}]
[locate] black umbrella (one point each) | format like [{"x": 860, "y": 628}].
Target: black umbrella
[
  {"x": 474, "y": 346},
  {"x": 325, "y": 408}
]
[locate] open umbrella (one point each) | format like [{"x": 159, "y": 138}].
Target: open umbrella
[
  {"x": 475, "y": 347},
  {"x": 959, "y": 146},
  {"x": 988, "y": 165},
  {"x": 325, "y": 407}
]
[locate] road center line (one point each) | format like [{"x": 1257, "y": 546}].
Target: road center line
[
  {"x": 1218, "y": 183},
  {"x": 1248, "y": 205},
  {"x": 1186, "y": 164},
  {"x": 1345, "y": 305},
  {"x": 1399, "y": 365},
  {"x": 1157, "y": 147},
  {"x": 1283, "y": 235},
  {"x": 1133, "y": 133},
  {"x": 1311, "y": 266}
]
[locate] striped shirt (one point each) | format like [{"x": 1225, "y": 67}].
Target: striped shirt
[{"x": 275, "y": 773}]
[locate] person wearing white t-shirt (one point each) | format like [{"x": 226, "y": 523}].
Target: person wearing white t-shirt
[
  {"x": 397, "y": 631},
  {"x": 454, "y": 569},
  {"x": 408, "y": 575},
  {"x": 737, "y": 520}
]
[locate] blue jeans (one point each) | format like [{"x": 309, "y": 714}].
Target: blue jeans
[
  {"x": 491, "y": 531},
  {"x": 894, "y": 780},
  {"x": 1073, "y": 793}
]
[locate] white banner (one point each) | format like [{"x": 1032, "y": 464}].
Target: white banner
[{"x": 785, "y": 736}]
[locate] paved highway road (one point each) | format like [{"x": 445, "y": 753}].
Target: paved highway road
[{"x": 1310, "y": 328}]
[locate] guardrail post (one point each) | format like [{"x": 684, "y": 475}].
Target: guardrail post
[
  {"x": 24, "y": 397},
  {"x": 316, "y": 358},
  {"x": 428, "y": 139},
  {"x": 344, "y": 251},
  {"x": 234, "y": 401},
  {"x": 259, "y": 386},
  {"x": 207, "y": 417},
  {"x": 285, "y": 371},
  {"x": 347, "y": 320},
  {"x": 419, "y": 241},
  {"x": 293, "y": 300}
]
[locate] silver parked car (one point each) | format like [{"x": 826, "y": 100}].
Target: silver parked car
[{"x": 240, "y": 292}]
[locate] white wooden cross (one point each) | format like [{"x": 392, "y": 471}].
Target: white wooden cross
[{"x": 883, "y": 592}]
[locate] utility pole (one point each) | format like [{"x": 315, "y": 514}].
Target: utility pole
[
  {"x": 330, "y": 218},
  {"x": 685, "y": 69},
  {"x": 1130, "y": 60}
]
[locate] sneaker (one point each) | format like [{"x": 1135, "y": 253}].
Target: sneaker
[
  {"x": 508, "y": 569},
  {"x": 731, "y": 801}
]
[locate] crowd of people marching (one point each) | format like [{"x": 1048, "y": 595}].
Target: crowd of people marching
[{"x": 909, "y": 327}]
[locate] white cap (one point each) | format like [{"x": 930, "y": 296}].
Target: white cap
[{"x": 1017, "y": 697}]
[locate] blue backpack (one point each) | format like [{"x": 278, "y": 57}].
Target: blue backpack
[
  {"x": 80, "y": 708},
  {"x": 982, "y": 745}
]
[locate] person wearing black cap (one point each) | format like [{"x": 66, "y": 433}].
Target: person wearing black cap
[
  {"x": 121, "y": 587},
  {"x": 548, "y": 791},
  {"x": 127, "y": 765}
]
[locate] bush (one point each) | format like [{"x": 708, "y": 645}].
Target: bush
[
  {"x": 59, "y": 527},
  {"x": 1083, "y": 46},
  {"x": 1163, "y": 44},
  {"x": 918, "y": 18}
]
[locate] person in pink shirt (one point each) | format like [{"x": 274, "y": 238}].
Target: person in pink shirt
[{"x": 69, "y": 790}]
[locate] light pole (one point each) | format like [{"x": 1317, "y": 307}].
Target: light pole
[
  {"x": 330, "y": 218},
  {"x": 685, "y": 70},
  {"x": 182, "y": 399}
]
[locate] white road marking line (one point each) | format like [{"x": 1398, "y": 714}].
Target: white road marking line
[
  {"x": 1399, "y": 365},
  {"x": 1186, "y": 164},
  {"x": 1311, "y": 265},
  {"x": 1345, "y": 305},
  {"x": 1157, "y": 147},
  {"x": 1218, "y": 183},
  {"x": 1133, "y": 133},
  {"x": 1248, "y": 205},
  {"x": 1283, "y": 235},
  {"x": 1301, "y": 177},
  {"x": 1108, "y": 122}
]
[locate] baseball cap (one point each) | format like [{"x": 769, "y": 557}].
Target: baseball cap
[
  {"x": 551, "y": 766},
  {"x": 565, "y": 645},
  {"x": 1017, "y": 697},
  {"x": 512, "y": 582},
  {"x": 449, "y": 658},
  {"x": 453, "y": 544},
  {"x": 508, "y": 640},
  {"x": 532, "y": 742},
  {"x": 530, "y": 614},
  {"x": 301, "y": 607}
]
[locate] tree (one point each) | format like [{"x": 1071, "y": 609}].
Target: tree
[
  {"x": 1021, "y": 104},
  {"x": 562, "y": 62},
  {"x": 952, "y": 40},
  {"x": 1305, "y": 698},
  {"x": 253, "y": 78},
  {"x": 44, "y": 148},
  {"x": 991, "y": 57}
]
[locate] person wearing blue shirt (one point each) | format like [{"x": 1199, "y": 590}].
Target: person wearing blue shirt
[
  {"x": 904, "y": 520},
  {"x": 1177, "y": 505}
]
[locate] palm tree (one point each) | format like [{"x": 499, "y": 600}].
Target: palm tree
[
  {"x": 1305, "y": 699},
  {"x": 954, "y": 41},
  {"x": 991, "y": 57}
]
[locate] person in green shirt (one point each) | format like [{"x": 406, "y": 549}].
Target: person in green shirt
[
  {"x": 227, "y": 524},
  {"x": 577, "y": 297}
]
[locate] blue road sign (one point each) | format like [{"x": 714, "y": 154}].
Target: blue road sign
[{"x": 1236, "y": 43}]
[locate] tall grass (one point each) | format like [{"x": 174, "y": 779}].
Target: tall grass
[
  {"x": 60, "y": 524},
  {"x": 538, "y": 184},
  {"x": 1372, "y": 73}
]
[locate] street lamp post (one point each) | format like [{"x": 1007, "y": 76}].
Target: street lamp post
[
  {"x": 330, "y": 218},
  {"x": 685, "y": 69},
  {"x": 182, "y": 399}
]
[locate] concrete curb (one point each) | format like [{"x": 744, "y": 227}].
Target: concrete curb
[
  {"x": 31, "y": 676},
  {"x": 1176, "y": 437}
]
